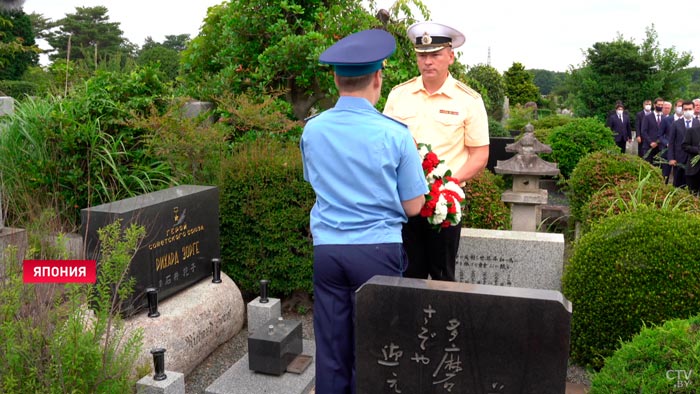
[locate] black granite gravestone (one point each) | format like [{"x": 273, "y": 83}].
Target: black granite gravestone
[
  {"x": 182, "y": 236},
  {"x": 274, "y": 346},
  {"x": 421, "y": 336}
]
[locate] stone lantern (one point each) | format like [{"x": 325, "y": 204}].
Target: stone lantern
[{"x": 527, "y": 168}]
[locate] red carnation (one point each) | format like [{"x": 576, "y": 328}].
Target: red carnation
[{"x": 430, "y": 161}]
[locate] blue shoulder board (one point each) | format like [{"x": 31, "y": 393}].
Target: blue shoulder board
[{"x": 396, "y": 121}]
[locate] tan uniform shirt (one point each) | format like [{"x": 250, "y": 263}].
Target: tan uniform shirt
[{"x": 450, "y": 119}]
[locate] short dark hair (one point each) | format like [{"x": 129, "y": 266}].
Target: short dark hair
[
  {"x": 659, "y": 99},
  {"x": 354, "y": 84},
  {"x": 688, "y": 102}
]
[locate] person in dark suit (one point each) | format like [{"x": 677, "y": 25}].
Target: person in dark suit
[
  {"x": 639, "y": 116},
  {"x": 691, "y": 146},
  {"x": 664, "y": 130},
  {"x": 676, "y": 154},
  {"x": 619, "y": 123},
  {"x": 651, "y": 127}
]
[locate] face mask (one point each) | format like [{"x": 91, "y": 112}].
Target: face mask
[
  {"x": 658, "y": 108},
  {"x": 679, "y": 110},
  {"x": 647, "y": 107},
  {"x": 688, "y": 114},
  {"x": 619, "y": 112}
]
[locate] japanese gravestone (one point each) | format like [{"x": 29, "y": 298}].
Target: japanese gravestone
[
  {"x": 182, "y": 236},
  {"x": 423, "y": 336}
]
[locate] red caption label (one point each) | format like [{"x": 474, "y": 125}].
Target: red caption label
[{"x": 59, "y": 271}]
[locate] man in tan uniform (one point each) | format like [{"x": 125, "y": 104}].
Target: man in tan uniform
[{"x": 451, "y": 117}]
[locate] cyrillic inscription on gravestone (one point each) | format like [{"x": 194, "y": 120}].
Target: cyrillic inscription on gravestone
[
  {"x": 182, "y": 236},
  {"x": 422, "y": 336}
]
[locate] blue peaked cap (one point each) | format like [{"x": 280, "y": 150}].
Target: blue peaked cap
[{"x": 359, "y": 53}]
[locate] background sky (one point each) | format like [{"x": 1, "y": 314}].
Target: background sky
[{"x": 546, "y": 34}]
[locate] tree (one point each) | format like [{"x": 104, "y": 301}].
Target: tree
[
  {"x": 622, "y": 70},
  {"x": 91, "y": 36},
  {"x": 266, "y": 47},
  {"x": 520, "y": 87},
  {"x": 18, "y": 49},
  {"x": 548, "y": 82},
  {"x": 166, "y": 54},
  {"x": 494, "y": 84}
]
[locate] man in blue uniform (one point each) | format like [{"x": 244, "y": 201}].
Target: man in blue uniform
[{"x": 365, "y": 170}]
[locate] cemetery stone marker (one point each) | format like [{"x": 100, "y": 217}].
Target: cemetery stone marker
[
  {"x": 510, "y": 258},
  {"x": 422, "y": 336},
  {"x": 182, "y": 236}
]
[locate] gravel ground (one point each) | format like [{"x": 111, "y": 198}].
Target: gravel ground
[{"x": 228, "y": 353}]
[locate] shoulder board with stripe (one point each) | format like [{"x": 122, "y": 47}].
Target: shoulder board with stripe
[
  {"x": 394, "y": 120},
  {"x": 404, "y": 83},
  {"x": 462, "y": 86}
]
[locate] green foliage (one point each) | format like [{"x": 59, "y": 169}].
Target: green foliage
[
  {"x": 631, "y": 195},
  {"x": 17, "y": 89},
  {"x": 49, "y": 341},
  {"x": 80, "y": 151},
  {"x": 246, "y": 114},
  {"x": 484, "y": 208},
  {"x": 601, "y": 169},
  {"x": 494, "y": 84},
  {"x": 520, "y": 87},
  {"x": 574, "y": 140},
  {"x": 229, "y": 56},
  {"x": 18, "y": 49},
  {"x": 544, "y": 126},
  {"x": 91, "y": 35},
  {"x": 623, "y": 70},
  {"x": 265, "y": 205},
  {"x": 660, "y": 359},
  {"x": 548, "y": 82},
  {"x": 519, "y": 117},
  {"x": 636, "y": 267},
  {"x": 167, "y": 60},
  {"x": 192, "y": 147},
  {"x": 496, "y": 129}
]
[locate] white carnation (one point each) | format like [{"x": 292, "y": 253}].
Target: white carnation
[
  {"x": 423, "y": 151},
  {"x": 440, "y": 213},
  {"x": 439, "y": 171},
  {"x": 455, "y": 188}
]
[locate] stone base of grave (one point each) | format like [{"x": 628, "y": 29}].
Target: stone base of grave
[
  {"x": 239, "y": 379},
  {"x": 192, "y": 324},
  {"x": 574, "y": 388}
]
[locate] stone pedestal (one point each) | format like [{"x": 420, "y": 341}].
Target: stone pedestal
[
  {"x": 240, "y": 380},
  {"x": 192, "y": 324},
  {"x": 173, "y": 384},
  {"x": 259, "y": 312}
]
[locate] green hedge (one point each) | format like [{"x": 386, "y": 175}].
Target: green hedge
[
  {"x": 630, "y": 195},
  {"x": 485, "y": 209},
  {"x": 601, "y": 169},
  {"x": 576, "y": 139},
  {"x": 264, "y": 209},
  {"x": 18, "y": 89},
  {"x": 662, "y": 359},
  {"x": 634, "y": 268}
]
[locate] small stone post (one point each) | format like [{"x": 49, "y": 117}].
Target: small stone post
[{"x": 527, "y": 168}]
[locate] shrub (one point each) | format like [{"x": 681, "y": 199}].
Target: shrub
[
  {"x": 661, "y": 359},
  {"x": 603, "y": 168},
  {"x": 48, "y": 341},
  {"x": 550, "y": 122},
  {"x": 18, "y": 89},
  {"x": 637, "y": 267},
  {"x": 484, "y": 209},
  {"x": 574, "y": 140},
  {"x": 630, "y": 195},
  {"x": 519, "y": 117},
  {"x": 496, "y": 129},
  {"x": 265, "y": 205},
  {"x": 80, "y": 151}
]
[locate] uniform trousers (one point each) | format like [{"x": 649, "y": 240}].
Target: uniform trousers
[
  {"x": 339, "y": 270},
  {"x": 430, "y": 252}
]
